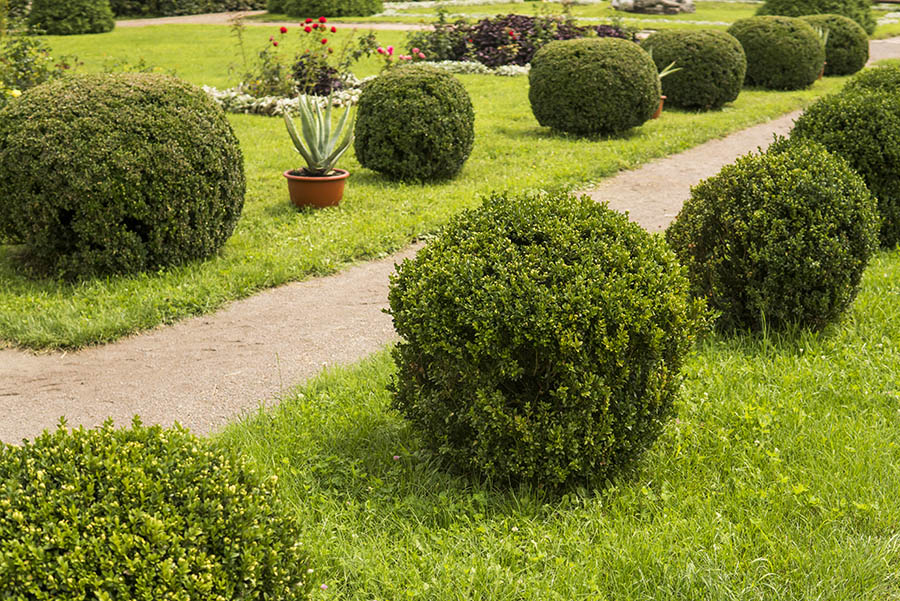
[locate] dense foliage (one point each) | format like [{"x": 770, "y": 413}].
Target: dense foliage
[
  {"x": 711, "y": 66},
  {"x": 327, "y": 8},
  {"x": 783, "y": 53},
  {"x": 885, "y": 78},
  {"x": 165, "y": 8},
  {"x": 858, "y": 10},
  {"x": 414, "y": 123},
  {"x": 117, "y": 173},
  {"x": 25, "y": 61},
  {"x": 501, "y": 40},
  {"x": 863, "y": 126},
  {"x": 141, "y": 513},
  {"x": 847, "y": 47},
  {"x": 71, "y": 17},
  {"x": 542, "y": 339},
  {"x": 778, "y": 238},
  {"x": 588, "y": 86}
]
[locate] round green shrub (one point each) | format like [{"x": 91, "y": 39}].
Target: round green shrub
[
  {"x": 414, "y": 123},
  {"x": 858, "y": 10},
  {"x": 542, "y": 339},
  {"x": 330, "y": 8},
  {"x": 71, "y": 17},
  {"x": 117, "y": 173},
  {"x": 778, "y": 238},
  {"x": 783, "y": 53},
  {"x": 593, "y": 85},
  {"x": 847, "y": 48},
  {"x": 884, "y": 78},
  {"x": 141, "y": 513},
  {"x": 863, "y": 127},
  {"x": 712, "y": 66}
]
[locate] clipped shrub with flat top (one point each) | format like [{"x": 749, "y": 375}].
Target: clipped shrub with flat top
[
  {"x": 165, "y": 8},
  {"x": 593, "y": 85},
  {"x": 711, "y": 66},
  {"x": 847, "y": 48},
  {"x": 142, "y": 513},
  {"x": 858, "y": 10},
  {"x": 117, "y": 173},
  {"x": 783, "y": 53},
  {"x": 863, "y": 126},
  {"x": 71, "y": 17},
  {"x": 414, "y": 123},
  {"x": 329, "y": 8},
  {"x": 778, "y": 238},
  {"x": 542, "y": 340}
]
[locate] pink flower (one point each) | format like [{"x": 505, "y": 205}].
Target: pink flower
[
  {"x": 283, "y": 29},
  {"x": 274, "y": 43},
  {"x": 396, "y": 457},
  {"x": 324, "y": 587},
  {"x": 415, "y": 51},
  {"x": 390, "y": 50},
  {"x": 380, "y": 50},
  {"x": 421, "y": 55}
]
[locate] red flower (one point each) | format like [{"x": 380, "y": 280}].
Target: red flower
[
  {"x": 307, "y": 29},
  {"x": 308, "y": 21},
  {"x": 323, "y": 20},
  {"x": 324, "y": 40},
  {"x": 315, "y": 25},
  {"x": 274, "y": 43},
  {"x": 512, "y": 33},
  {"x": 283, "y": 29},
  {"x": 470, "y": 40},
  {"x": 333, "y": 29}
]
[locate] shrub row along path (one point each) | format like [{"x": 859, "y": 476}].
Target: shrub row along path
[
  {"x": 225, "y": 19},
  {"x": 204, "y": 371}
]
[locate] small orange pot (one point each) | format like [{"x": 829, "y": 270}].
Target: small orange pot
[
  {"x": 319, "y": 192},
  {"x": 659, "y": 108}
]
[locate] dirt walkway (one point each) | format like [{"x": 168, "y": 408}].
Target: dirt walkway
[{"x": 204, "y": 371}]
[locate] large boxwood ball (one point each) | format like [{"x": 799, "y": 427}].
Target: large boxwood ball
[
  {"x": 109, "y": 173},
  {"x": 414, "y": 123},
  {"x": 783, "y": 53},
  {"x": 71, "y": 16},
  {"x": 542, "y": 340},
  {"x": 142, "y": 513},
  {"x": 593, "y": 85},
  {"x": 858, "y": 10},
  {"x": 847, "y": 48},
  {"x": 711, "y": 66},
  {"x": 778, "y": 238},
  {"x": 863, "y": 126},
  {"x": 884, "y": 78}
]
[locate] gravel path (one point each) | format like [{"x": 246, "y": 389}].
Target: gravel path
[{"x": 204, "y": 371}]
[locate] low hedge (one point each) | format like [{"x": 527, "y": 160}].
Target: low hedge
[
  {"x": 542, "y": 338},
  {"x": 783, "y": 53},
  {"x": 778, "y": 238},
  {"x": 166, "y": 8},
  {"x": 71, "y": 17},
  {"x": 593, "y": 85},
  {"x": 414, "y": 123},
  {"x": 884, "y": 78},
  {"x": 711, "y": 63},
  {"x": 863, "y": 126},
  {"x": 327, "y": 8},
  {"x": 847, "y": 49},
  {"x": 142, "y": 513},
  {"x": 858, "y": 10},
  {"x": 117, "y": 173}
]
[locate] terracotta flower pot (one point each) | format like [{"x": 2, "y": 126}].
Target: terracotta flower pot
[
  {"x": 322, "y": 191},
  {"x": 659, "y": 108}
]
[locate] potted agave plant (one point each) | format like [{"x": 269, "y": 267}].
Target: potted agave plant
[{"x": 318, "y": 184}]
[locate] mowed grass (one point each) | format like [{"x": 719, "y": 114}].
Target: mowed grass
[
  {"x": 779, "y": 480},
  {"x": 274, "y": 243}
]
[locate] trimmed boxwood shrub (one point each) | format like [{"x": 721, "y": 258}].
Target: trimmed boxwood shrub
[
  {"x": 778, "y": 238},
  {"x": 863, "y": 126},
  {"x": 330, "y": 8},
  {"x": 847, "y": 49},
  {"x": 117, "y": 173},
  {"x": 141, "y": 513},
  {"x": 712, "y": 66},
  {"x": 71, "y": 17},
  {"x": 783, "y": 53},
  {"x": 884, "y": 78},
  {"x": 414, "y": 123},
  {"x": 165, "y": 8},
  {"x": 542, "y": 340},
  {"x": 858, "y": 10},
  {"x": 589, "y": 86}
]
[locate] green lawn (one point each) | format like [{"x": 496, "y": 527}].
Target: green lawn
[
  {"x": 778, "y": 481},
  {"x": 274, "y": 243}
]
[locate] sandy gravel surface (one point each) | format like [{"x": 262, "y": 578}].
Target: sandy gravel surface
[{"x": 204, "y": 371}]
